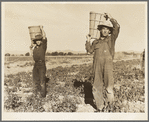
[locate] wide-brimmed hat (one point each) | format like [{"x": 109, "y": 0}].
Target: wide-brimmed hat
[
  {"x": 105, "y": 24},
  {"x": 38, "y": 36}
]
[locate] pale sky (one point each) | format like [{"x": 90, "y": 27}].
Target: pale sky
[{"x": 67, "y": 24}]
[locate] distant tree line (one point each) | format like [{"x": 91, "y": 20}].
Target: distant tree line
[
  {"x": 58, "y": 53},
  {"x": 26, "y": 54},
  {"x": 48, "y": 54},
  {"x": 63, "y": 54}
]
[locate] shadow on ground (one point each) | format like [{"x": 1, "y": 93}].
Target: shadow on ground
[{"x": 88, "y": 98}]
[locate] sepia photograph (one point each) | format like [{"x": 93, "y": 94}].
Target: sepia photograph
[{"x": 74, "y": 60}]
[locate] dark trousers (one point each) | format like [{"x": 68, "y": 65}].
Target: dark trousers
[{"x": 39, "y": 77}]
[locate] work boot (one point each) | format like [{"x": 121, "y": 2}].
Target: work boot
[{"x": 110, "y": 96}]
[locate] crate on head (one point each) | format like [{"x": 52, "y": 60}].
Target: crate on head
[
  {"x": 33, "y": 30},
  {"x": 95, "y": 20}
]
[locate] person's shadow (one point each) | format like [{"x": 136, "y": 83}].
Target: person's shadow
[{"x": 88, "y": 99}]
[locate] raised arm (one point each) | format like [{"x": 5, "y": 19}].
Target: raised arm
[
  {"x": 44, "y": 39},
  {"x": 116, "y": 26},
  {"x": 43, "y": 33}
]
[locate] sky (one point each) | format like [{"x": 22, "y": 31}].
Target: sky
[{"x": 66, "y": 24}]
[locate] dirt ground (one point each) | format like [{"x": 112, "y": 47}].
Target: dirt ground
[{"x": 27, "y": 66}]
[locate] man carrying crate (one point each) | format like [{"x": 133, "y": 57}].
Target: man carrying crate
[
  {"x": 104, "y": 49},
  {"x": 38, "y": 48}
]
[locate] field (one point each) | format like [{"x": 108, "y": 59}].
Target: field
[{"x": 70, "y": 85}]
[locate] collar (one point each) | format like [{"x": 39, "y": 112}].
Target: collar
[{"x": 106, "y": 39}]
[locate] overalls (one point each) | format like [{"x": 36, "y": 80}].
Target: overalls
[{"x": 103, "y": 71}]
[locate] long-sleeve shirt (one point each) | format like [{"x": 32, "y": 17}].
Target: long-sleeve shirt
[
  {"x": 39, "y": 53},
  {"x": 110, "y": 39}
]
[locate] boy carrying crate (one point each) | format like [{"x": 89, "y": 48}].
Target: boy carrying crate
[{"x": 38, "y": 48}]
